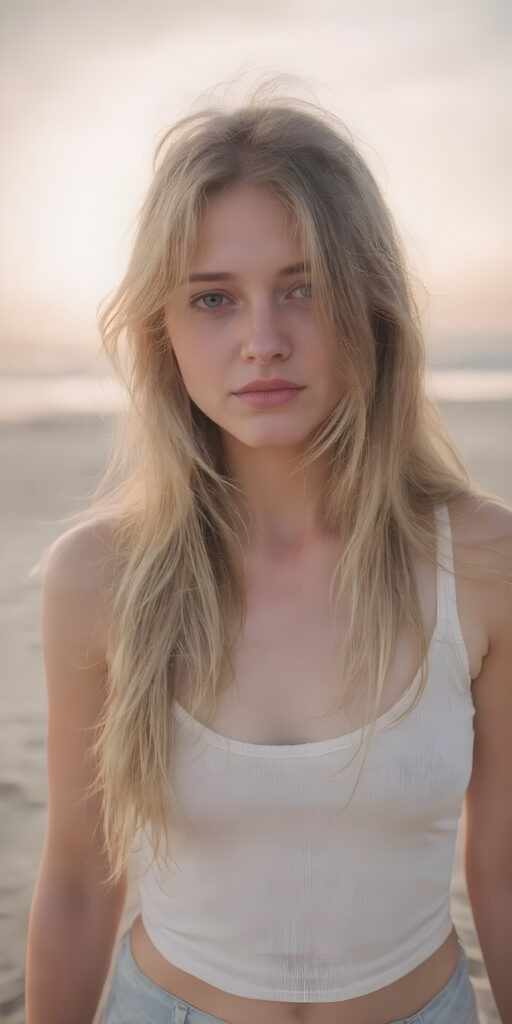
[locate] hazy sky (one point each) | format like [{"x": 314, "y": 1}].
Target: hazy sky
[{"x": 88, "y": 86}]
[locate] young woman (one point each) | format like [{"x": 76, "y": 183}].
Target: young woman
[{"x": 278, "y": 645}]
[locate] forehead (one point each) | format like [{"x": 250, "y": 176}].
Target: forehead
[{"x": 241, "y": 221}]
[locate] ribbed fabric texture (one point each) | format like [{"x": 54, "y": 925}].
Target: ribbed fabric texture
[{"x": 277, "y": 891}]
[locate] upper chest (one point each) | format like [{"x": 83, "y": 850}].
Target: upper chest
[{"x": 285, "y": 673}]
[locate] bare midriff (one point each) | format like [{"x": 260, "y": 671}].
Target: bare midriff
[{"x": 402, "y": 998}]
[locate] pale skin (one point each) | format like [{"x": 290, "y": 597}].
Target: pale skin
[{"x": 263, "y": 328}]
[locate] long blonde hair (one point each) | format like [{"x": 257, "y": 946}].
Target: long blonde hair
[{"x": 176, "y": 514}]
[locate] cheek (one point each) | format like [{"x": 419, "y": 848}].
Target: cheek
[{"x": 202, "y": 374}]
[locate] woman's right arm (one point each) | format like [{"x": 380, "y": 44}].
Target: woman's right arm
[{"x": 73, "y": 922}]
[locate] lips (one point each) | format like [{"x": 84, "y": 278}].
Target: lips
[{"x": 276, "y": 384}]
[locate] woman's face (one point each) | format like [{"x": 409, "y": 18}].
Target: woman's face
[{"x": 246, "y": 314}]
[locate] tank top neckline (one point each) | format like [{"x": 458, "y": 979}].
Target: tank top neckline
[{"x": 313, "y": 747}]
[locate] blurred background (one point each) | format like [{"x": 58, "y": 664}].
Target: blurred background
[{"x": 87, "y": 88}]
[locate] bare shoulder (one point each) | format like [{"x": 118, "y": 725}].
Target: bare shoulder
[
  {"x": 82, "y": 551},
  {"x": 482, "y": 535},
  {"x": 474, "y": 520},
  {"x": 79, "y": 572}
]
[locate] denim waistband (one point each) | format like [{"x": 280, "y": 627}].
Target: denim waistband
[{"x": 134, "y": 997}]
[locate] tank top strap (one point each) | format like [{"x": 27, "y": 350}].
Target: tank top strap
[
  {"x": 447, "y": 612},
  {"x": 446, "y": 593}
]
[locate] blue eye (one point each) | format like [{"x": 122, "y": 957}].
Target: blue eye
[
  {"x": 307, "y": 287},
  {"x": 209, "y": 295}
]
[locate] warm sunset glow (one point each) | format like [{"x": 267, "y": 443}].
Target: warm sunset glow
[{"x": 423, "y": 89}]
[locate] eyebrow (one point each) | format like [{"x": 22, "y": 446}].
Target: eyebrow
[{"x": 225, "y": 275}]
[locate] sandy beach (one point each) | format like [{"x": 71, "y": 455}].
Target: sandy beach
[{"x": 48, "y": 466}]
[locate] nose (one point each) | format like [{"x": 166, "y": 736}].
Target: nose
[{"x": 264, "y": 334}]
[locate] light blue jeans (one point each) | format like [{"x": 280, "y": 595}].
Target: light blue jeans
[{"x": 134, "y": 999}]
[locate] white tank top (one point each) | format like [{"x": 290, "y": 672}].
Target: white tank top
[{"x": 278, "y": 892}]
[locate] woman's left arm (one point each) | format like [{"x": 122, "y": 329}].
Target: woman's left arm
[{"x": 487, "y": 843}]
